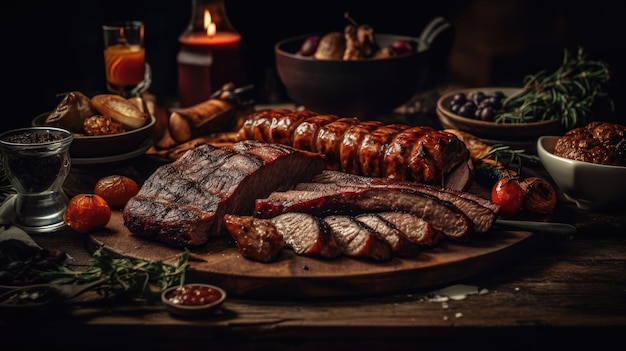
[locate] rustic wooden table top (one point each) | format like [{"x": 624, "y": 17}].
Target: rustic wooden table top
[{"x": 565, "y": 291}]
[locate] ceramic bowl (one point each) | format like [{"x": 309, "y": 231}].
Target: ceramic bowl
[
  {"x": 86, "y": 146},
  {"x": 363, "y": 88},
  {"x": 491, "y": 132},
  {"x": 180, "y": 300},
  {"x": 589, "y": 185}
]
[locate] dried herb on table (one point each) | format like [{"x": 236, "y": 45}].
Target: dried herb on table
[
  {"x": 128, "y": 278},
  {"x": 568, "y": 94}
]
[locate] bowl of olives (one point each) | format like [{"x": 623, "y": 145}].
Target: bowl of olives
[
  {"x": 475, "y": 111},
  {"x": 365, "y": 78}
]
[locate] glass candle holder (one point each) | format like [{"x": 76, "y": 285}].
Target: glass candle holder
[
  {"x": 209, "y": 54},
  {"x": 36, "y": 161}
]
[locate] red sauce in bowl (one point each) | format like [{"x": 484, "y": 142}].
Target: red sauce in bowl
[{"x": 194, "y": 295}]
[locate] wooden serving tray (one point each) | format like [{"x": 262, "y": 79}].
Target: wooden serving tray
[{"x": 299, "y": 277}]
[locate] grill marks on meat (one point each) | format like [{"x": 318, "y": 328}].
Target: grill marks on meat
[
  {"x": 179, "y": 203},
  {"x": 357, "y": 240},
  {"x": 420, "y": 154}
]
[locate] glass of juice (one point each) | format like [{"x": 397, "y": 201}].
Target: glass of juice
[{"x": 126, "y": 69}]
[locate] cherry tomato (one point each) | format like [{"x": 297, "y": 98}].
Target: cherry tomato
[
  {"x": 509, "y": 195},
  {"x": 87, "y": 212},
  {"x": 116, "y": 190}
]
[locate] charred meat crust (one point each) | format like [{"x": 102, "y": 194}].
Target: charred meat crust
[{"x": 179, "y": 202}]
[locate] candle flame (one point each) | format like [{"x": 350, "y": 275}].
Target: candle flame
[{"x": 208, "y": 24}]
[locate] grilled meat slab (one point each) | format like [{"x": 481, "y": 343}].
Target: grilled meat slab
[{"x": 182, "y": 203}]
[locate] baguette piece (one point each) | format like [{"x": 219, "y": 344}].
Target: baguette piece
[
  {"x": 210, "y": 116},
  {"x": 120, "y": 109}
]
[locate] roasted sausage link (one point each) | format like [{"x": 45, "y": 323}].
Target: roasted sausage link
[{"x": 369, "y": 148}]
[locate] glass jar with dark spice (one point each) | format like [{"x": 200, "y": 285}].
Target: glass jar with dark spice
[{"x": 36, "y": 161}]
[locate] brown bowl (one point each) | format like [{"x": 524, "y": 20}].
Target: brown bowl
[
  {"x": 512, "y": 133},
  {"x": 361, "y": 88},
  {"x": 99, "y": 146},
  {"x": 349, "y": 88}
]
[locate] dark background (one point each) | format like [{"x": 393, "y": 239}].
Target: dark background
[{"x": 56, "y": 46}]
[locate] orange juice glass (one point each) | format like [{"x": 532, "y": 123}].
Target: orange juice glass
[{"x": 125, "y": 57}]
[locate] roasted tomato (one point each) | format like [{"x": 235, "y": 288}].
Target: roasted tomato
[
  {"x": 509, "y": 195},
  {"x": 116, "y": 190},
  {"x": 87, "y": 212}
]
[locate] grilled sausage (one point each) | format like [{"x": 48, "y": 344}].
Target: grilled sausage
[
  {"x": 306, "y": 132},
  {"x": 420, "y": 153},
  {"x": 371, "y": 154},
  {"x": 350, "y": 146},
  {"x": 329, "y": 139}
]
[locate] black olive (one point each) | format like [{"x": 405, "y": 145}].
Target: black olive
[{"x": 467, "y": 110}]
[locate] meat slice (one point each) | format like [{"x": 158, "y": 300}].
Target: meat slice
[
  {"x": 306, "y": 235},
  {"x": 442, "y": 215},
  {"x": 401, "y": 245},
  {"x": 256, "y": 239},
  {"x": 357, "y": 240},
  {"x": 482, "y": 211},
  {"x": 179, "y": 202},
  {"x": 415, "y": 228}
]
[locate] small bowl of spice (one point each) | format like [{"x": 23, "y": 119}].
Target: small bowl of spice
[{"x": 193, "y": 299}]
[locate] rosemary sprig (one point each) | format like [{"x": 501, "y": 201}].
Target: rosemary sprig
[
  {"x": 506, "y": 157},
  {"x": 127, "y": 277},
  {"x": 568, "y": 94}
]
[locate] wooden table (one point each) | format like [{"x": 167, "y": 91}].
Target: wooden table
[{"x": 565, "y": 292}]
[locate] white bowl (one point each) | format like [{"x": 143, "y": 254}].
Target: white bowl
[
  {"x": 178, "y": 307},
  {"x": 591, "y": 186}
]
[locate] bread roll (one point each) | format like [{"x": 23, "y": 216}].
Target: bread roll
[{"x": 120, "y": 109}]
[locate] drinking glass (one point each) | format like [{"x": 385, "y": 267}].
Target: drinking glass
[
  {"x": 36, "y": 161},
  {"x": 127, "y": 72}
]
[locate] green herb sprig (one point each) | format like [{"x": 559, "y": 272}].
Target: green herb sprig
[
  {"x": 568, "y": 94},
  {"x": 136, "y": 279}
]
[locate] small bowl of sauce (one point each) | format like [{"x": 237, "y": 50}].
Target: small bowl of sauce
[{"x": 193, "y": 299}]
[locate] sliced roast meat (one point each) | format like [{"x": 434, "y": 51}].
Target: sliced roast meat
[
  {"x": 401, "y": 245},
  {"x": 481, "y": 211},
  {"x": 443, "y": 215},
  {"x": 179, "y": 203},
  {"x": 306, "y": 235},
  {"x": 357, "y": 240},
  {"x": 415, "y": 228},
  {"x": 256, "y": 239},
  {"x": 459, "y": 178}
]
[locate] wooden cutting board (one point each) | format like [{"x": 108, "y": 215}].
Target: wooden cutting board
[{"x": 298, "y": 277}]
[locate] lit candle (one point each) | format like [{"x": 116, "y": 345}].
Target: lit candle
[
  {"x": 210, "y": 38},
  {"x": 216, "y": 41}
]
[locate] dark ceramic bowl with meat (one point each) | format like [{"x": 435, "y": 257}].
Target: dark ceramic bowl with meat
[
  {"x": 98, "y": 146},
  {"x": 363, "y": 88}
]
